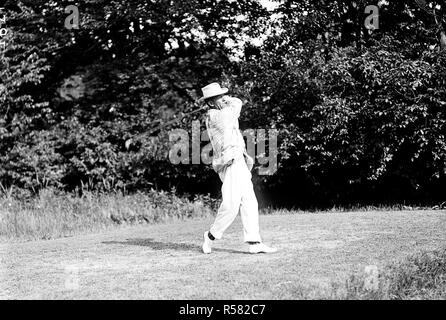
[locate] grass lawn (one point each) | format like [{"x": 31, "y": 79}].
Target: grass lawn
[{"x": 164, "y": 261}]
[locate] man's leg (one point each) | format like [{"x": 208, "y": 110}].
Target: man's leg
[
  {"x": 249, "y": 210},
  {"x": 250, "y": 217},
  {"x": 232, "y": 194}
]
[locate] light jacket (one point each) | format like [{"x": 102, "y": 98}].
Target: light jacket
[{"x": 225, "y": 136}]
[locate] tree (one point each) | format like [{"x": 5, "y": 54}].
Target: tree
[
  {"x": 356, "y": 122},
  {"x": 130, "y": 68}
]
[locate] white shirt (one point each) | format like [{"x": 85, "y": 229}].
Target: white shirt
[{"x": 224, "y": 133}]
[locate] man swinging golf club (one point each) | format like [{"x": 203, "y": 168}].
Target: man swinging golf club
[{"x": 233, "y": 165}]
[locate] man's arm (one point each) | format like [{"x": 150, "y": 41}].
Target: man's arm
[
  {"x": 237, "y": 105},
  {"x": 232, "y": 110}
]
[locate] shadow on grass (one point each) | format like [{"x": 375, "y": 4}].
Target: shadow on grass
[{"x": 158, "y": 245}]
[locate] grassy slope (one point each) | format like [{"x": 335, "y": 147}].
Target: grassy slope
[
  {"x": 164, "y": 261},
  {"x": 52, "y": 214}
]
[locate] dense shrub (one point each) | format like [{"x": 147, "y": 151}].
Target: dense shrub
[
  {"x": 356, "y": 124},
  {"x": 360, "y": 114}
]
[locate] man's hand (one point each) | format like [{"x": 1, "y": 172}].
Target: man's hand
[
  {"x": 249, "y": 161},
  {"x": 227, "y": 165}
]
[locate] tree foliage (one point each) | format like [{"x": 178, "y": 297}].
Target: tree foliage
[{"x": 360, "y": 112}]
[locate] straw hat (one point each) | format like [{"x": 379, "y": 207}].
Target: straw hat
[{"x": 212, "y": 90}]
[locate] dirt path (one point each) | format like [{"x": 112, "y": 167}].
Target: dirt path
[{"x": 165, "y": 261}]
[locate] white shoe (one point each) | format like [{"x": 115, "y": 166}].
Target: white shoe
[
  {"x": 207, "y": 244},
  {"x": 261, "y": 248}
]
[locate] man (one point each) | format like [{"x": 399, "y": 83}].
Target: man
[{"x": 233, "y": 165}]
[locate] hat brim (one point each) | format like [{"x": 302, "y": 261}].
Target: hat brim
[{"x": 223, "y": 91}]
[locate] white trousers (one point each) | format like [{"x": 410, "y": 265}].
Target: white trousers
[{"x": 238, "y": 195}]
